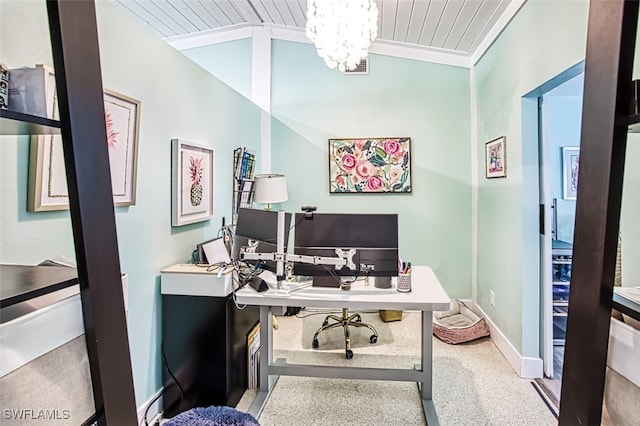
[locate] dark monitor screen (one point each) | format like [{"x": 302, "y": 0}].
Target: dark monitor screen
[
  {"x": 257, "y": 231},
  {"x": 374, "y": 236}
]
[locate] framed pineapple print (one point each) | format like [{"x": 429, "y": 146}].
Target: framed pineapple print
[
  {"x": 192, "y": 183},
  {"x": 47, "y": 188}
]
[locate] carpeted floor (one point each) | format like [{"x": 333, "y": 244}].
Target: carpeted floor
[{"x": 472, "y": 383}]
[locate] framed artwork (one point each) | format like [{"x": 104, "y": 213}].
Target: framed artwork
[
  {"x": 495, "y": 154},
  {"x": 373, "y": 165},
  {"x": 192, "y": 189},
  {"x": 47, "y": 188},
  {"x": 570, "y": 167}
]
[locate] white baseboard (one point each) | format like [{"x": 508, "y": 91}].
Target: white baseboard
[
  {"x": 525, "y": 367},
  {"x": 155, "y": 409}
]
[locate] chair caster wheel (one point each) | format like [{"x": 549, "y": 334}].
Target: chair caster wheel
[
  {"x": 373, "y": 338},
  {"x": 314, "y": 343},
  {"x": 348, "y": 354}
]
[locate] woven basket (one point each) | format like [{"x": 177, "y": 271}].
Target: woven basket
[{"x": 459, "y": 324}]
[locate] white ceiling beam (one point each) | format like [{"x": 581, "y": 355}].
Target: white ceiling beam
[
  {"x": 424, "y": 54},
  {"x": 298, "y": 35},
  {"x": 209, "y": 37}
]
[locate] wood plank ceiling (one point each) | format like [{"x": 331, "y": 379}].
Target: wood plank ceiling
[{"x": 456, "y": 26}]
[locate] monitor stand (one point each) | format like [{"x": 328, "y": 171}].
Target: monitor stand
[{"x": 326, "y": 281}]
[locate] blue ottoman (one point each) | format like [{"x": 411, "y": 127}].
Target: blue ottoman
[{"x": 213, "y": 416}]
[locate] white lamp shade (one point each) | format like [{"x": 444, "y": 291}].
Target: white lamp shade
[{"x": 270, "y": 188}]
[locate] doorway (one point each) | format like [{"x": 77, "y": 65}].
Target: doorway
[{"x": 559, "y": 127}]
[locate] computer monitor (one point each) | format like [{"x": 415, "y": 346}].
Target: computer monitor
[
  {"x": 373, "y": 236},
  {"x": 257, "y": 231}
]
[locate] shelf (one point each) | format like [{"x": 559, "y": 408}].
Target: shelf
[
  {"x": 17, "y": 123},
  {"x": 561, "y": 282},
  {"x": 23, "y": 282},
  {"x": 626, "y": 306}
]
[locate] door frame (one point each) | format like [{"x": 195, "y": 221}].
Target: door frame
[{"x": 546, "y": 201}]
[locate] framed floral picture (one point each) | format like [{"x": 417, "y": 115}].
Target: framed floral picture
[
  {"x": 370, "y": 165},
  {"x": 47, "y": 188},
  {"x": 495, "y": 155},
  {"x": 192, "y": 168},
  {"x": 570, "y": 168}
]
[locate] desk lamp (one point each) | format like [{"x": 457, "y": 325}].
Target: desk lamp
[{"x": 270, "y": 188}]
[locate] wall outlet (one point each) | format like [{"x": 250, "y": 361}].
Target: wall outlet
[{"x": 492, "y": 298}]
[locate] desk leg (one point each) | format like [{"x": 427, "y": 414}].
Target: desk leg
[
  {"x": 266, "y": 358},
  {"x": 427, "y": 368}
]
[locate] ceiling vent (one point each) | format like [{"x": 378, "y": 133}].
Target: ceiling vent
[{"x": 362, "y": 68}]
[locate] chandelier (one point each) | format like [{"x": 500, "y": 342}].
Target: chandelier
[{"x": 342, "y": 30}]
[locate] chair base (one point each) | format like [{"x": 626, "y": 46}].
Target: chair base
[{"x": 346, "y": 321}]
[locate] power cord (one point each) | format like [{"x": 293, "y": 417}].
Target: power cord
[{"x": 165, "y": 363}]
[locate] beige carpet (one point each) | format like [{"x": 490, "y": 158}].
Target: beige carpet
[{"x": 472, "y": 383}]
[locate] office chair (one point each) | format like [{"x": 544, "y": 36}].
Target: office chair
[{"x": 346, "y": 321}]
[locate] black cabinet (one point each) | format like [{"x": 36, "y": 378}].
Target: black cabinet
[{"x": 204, "y": 344}]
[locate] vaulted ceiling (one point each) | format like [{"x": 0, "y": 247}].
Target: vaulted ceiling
[{"x": 459, "y": 27}]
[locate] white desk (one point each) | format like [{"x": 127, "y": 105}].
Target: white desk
[{"x": 427, "y": 295}]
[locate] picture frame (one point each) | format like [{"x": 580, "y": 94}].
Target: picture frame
[
  {"x": 192, "y": 191},
  {"x": 370, "y": 165},
  {"x": 570, "y": 168},
  {"x": 495, "y": 155},
  {"x": 47, "y": 184}
]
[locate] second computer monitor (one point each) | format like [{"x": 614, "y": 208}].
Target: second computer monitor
[
  {"x": 373, "y": 236},
  {"x": 257, "y": 231}
]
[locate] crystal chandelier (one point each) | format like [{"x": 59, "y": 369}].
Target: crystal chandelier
[{"x": 342, "y": 30}]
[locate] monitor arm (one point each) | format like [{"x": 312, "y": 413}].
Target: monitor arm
[{"x": 344, "y": 256}]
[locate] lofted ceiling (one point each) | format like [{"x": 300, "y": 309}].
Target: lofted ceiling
[{"x": 459, "y": 27}]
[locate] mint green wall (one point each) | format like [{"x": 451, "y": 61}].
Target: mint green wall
[
  {"x": 230, "y": 62},
  {"x": 179, "y": 100},
  {"x": 400, "y": 97},
  {"x": 544, "y": 39}
]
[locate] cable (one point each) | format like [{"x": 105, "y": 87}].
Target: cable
[{"x": 165, "y": 363}]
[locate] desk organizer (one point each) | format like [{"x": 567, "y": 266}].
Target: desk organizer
[{"x": 404, "y": 282}]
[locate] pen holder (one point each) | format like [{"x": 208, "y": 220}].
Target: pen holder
[{"x": 404, "y": 283}]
